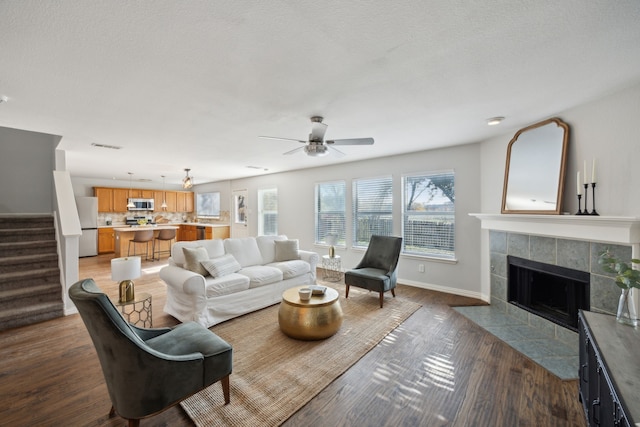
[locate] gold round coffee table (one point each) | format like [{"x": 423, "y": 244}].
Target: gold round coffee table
[{"x": 316, "y": 319}]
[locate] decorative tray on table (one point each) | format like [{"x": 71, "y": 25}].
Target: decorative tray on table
[{"x": 317, "y": 289}]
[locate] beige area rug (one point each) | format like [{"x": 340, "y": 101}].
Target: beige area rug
[{"x": 274, "y": 375}]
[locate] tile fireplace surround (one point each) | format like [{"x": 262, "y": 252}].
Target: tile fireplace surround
[{"x": 563, "y": 240}]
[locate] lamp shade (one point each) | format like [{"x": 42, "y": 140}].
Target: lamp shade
[
  {"x": 127, "y": 268},
  {"x": 332, "y": 239}
]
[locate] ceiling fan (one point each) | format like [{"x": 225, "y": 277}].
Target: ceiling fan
[{"x": 316, "y": 146}]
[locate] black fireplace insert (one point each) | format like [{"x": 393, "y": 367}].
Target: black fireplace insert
[{"x": 550, "y": 291}]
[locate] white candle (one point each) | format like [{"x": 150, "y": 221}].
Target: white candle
[
  {"x": 593, "y": 171},
  {"x": 585, "y": 172},
  {"x": 579, "y": 187}
]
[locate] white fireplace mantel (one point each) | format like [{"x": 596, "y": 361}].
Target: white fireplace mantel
[{"x": 606, "y": 229}]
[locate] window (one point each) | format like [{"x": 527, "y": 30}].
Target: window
[
  {"x": 372, "y": 209},
  {"x": 208, "y": 205},
  {"x": 428, "y": 211},
  {"x": 330, "y": 212},
  {"x": 268, "y": 212}
]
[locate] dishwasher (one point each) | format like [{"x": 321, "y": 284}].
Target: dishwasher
[{"x": 200, "y": 232}]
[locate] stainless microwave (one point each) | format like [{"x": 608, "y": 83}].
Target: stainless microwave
[{"x": 141, "y": 204}]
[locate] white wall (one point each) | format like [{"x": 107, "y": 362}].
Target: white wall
[
  {"x": 27, "y": 163},
  {"x": 296, "y": 210},
  {"x": 607, "y": 129}
]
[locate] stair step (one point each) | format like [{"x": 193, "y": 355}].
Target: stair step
[
  {"x": 28, "y": 262},
  {"x": 35, "y": 277},
  {"x": 8, "y": 249},
  {"x": 23, "y": 316},
  {"x": 27, "y": 234},
  {"x": 31, "y": 296},
  {"x": 22, "y": 221}
]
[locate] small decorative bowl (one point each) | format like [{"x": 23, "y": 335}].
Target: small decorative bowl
[{"x": 305, "y": 294}]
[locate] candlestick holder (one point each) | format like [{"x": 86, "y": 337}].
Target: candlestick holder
[
  {"x": 579, "y": 205},
  {"x": 593, "y": 190},
  {"x": 586, "y": 199}
]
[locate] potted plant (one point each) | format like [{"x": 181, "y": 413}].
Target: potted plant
[{"x": 627, "y": 278}]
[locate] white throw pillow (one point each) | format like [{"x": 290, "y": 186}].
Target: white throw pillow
[
  {"x": 221, "y": 266},
  {"x": 286, "y": 250},
  {"x": 193, "y": 257}
]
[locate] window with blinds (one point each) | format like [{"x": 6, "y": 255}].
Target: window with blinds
[
  {"x": 372, "y": 209},
  {"x": 268, "y": 212},
  {"x": 428, "y": 214},
  {"x": 330, "y": 212}
]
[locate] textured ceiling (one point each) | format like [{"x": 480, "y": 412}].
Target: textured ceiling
[{"x": 193, "y": 84}]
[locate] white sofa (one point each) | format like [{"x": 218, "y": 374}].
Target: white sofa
[{"x": 251, "y": 274}]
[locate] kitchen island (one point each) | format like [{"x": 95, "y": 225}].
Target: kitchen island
[
  {"x": 124, "y": 234},
  {"x": 185, "y": 231}
]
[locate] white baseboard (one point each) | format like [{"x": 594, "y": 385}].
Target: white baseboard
[{"x": 445, "y": 289}]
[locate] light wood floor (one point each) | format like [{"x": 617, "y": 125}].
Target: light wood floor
[{"x": 436, "y": 369}]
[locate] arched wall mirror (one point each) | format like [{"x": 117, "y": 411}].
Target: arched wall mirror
[{"x": 534, "y": 175}]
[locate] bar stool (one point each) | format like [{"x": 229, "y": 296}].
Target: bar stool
[
  {"x": 163, "y": 236},
  {"x": 142, "y": 236}
]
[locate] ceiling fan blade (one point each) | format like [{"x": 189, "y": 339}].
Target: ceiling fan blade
[
  {"x": 337, "y": 152},
  {"x": 295, "y": 150},
  {"x": 351, "y": 141},
  {"x": 282, "y": 139},
  {"x": 318, "y": 130}
]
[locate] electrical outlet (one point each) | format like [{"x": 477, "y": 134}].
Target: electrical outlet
[{"x": 421, "y": 268}]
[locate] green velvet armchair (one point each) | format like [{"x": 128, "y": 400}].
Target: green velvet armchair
[
  {"x": 149, "y": 370},
  {"x": 377, "y": 269}
]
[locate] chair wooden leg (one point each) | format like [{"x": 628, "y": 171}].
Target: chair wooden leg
[
  {"x": 346, "y": 294},
  {"x": 381, "y": 298},
  {"x": 112, "y": 412},
  {"x": 226, "y": 389},
  {"x": 393, "y": 292},
  {"x": 134, "y": 423}
]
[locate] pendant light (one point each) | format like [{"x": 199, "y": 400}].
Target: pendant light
[
  {"x": 130, "y": 204},
  {"x": 187, "y": 181},
  {"x": 164, "y": 196}
]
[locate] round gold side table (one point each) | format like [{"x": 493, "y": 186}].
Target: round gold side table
[{"x": 316, "y": 319}]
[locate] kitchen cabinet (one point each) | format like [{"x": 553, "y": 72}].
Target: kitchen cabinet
[
  {"x": 171, "y": 201},
  {"x": 221, "y": 232},
  {"x": 158, "y": 197},
  {"x": 609, "y": 372},
  {"x": 120, "y": 199},
  {"x": 106, "y": 240},
  {"x": 105, "y": 198},
  {"x": 184, "y": 201},
  {"x": 187, "y": 233}
]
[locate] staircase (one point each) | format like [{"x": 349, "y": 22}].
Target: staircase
[{"x": 30, "y": 289}]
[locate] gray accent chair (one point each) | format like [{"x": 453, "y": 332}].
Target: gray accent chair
[
  {"x": 377, "y": 269},
  {"x": 150, "y": 370}
]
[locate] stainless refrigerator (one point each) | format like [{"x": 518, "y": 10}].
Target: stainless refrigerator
[{"x": 88, "y": 213}]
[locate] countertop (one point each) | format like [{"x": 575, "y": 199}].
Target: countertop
[{"x": 173, "y": 224}]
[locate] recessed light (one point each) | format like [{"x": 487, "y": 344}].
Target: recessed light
[
  {"x": 112, "y": 147},
  {"x": 4, "y": 98},
  {"x": 494, "y": 121}
]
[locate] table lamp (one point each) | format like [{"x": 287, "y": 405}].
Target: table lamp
[
  {"x": 123, "y": 270},
  {"x": 332, "y": 239}
]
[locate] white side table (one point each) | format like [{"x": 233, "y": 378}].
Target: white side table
[{"x": 332, "y": 268}]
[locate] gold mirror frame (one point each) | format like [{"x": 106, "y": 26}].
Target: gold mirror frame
[{"x": 535, "y": 170}]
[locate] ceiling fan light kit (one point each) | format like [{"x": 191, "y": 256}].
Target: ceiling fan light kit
[{"x": 316, "y": 146}]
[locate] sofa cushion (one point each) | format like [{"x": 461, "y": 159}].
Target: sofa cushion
[
  {"x": 293, "y": 268},
  {"x": 193, "y": 259},
  {"x": 215, "y": 248},
  {"x": 286, "y": 250},
  {"x": 268, "y": 248},
  {"x": 225, "y": 285},
  {"x": 245, "y": 250},
  {"x": 261, "y": 275},
  {"x": 222, "y": 265}
]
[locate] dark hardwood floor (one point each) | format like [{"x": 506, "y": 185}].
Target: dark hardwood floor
[{"x": 436, "y": 369}]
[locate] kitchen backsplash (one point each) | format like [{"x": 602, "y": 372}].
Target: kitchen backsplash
[{"x": 118, "y": 218}]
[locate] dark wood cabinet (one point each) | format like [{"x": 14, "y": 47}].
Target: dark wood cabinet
[{"x": 609, "y": 370}]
